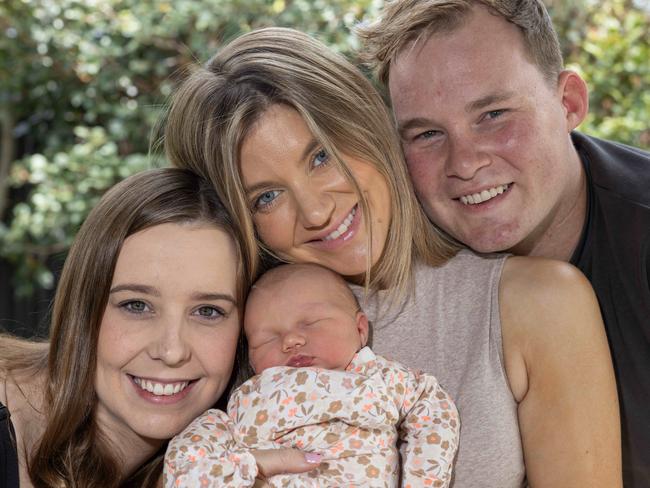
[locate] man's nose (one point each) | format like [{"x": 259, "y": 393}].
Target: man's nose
[{"x": 465, "y": 157}]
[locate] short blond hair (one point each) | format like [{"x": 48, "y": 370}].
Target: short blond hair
[
  {"x": 403, "y": 22},
  {"x": 213, "y": 111}
]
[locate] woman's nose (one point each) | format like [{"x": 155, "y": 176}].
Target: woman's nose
[
  {"x": 316, "y": 207},
  {"x": 171, "y": 346}
]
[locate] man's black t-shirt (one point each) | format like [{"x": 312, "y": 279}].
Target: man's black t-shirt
[{"x": 614, "y": 253}]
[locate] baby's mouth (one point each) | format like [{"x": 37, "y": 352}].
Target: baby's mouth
[{"x": 300, "y": 361}]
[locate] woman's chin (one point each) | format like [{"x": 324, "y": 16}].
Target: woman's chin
[{"x": 354, "y": 272}]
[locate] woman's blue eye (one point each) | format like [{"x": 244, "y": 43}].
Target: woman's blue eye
[
  {"x": 210, "y": 312},
  {"x": 266, "y": 198},
  {"x": 320, "y": 158},
  {"x": 135, "y": 306}
]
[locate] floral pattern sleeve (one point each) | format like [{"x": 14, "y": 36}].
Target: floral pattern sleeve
[
  {"x": 206, "y": 454},
  {"x": 429, "y": 432}
]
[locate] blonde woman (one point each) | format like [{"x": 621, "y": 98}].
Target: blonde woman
[{"x": 301, "y": 147}]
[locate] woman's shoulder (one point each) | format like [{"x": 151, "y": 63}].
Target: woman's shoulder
[
  {"x": 524, "y": 283},
  {"x": 466, "y": 259},
  {"x": 533, "y": 279},
  {"x": 466, "y": 268},
  {"x": 463, "y": 289},
  {"x": 538, "y": 293},
  {"x": 545, "y": 305},
  {"x": 518, "y": 276}
]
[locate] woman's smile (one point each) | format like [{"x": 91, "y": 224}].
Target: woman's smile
[
  {"x": 342, "y": 233},
  {"x": 304, "y": 208},
  {"x": 161, "y": 392}
]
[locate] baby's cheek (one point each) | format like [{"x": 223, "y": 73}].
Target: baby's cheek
[{"x": 263, "y": 359}]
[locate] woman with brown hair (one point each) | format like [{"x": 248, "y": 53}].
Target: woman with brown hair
[
  {"x": 301, "y": 148},
  {"x": 143, "y": 337}
]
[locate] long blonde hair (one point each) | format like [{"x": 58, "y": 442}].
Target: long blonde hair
[
  {"x": 215, "y": 107},
  {"x": 72, "y": 451}
]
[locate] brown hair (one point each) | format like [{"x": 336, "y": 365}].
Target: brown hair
[
  {"x": 215, "y": 108},
  {"x": 72, "y": 451},
  {"x": 405, "y": 21}
]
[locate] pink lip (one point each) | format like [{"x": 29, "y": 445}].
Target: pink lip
[
  {"x": 300, "y": 361},
  {"x": 162, "y": 399},
  {"x": 320, "y": 242}
]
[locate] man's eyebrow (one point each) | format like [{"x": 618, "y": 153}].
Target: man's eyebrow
[
  {"x": 148, "y": 290},
  {"x": 488, "y": 100}
]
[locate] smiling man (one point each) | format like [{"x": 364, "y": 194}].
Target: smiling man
[{"x": 486, "y": 114}]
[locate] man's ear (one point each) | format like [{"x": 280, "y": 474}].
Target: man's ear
[
  {"x": 362, "y": 327},
  {"x": 575, "y": 98}
]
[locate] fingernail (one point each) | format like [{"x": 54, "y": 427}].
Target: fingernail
[{"x": 313, "y": 457}]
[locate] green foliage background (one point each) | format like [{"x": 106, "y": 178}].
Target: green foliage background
[{"x": 82, "y": 84}]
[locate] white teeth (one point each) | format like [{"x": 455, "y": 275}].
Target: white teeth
[
  {"x": 484, "y": 196},
  {"x": 160, "y": 389},
  {"x": 343, "y": 228}
]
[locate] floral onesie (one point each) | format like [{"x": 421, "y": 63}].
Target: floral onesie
[{"x": 354, "y": 418}]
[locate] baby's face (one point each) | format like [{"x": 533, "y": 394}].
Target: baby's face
[{"x": 307, "y": 319}]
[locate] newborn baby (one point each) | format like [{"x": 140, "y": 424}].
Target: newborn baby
[{"x": 319, "y": 388}]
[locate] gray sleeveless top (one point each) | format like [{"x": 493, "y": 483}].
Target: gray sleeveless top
[{"x": 451, "y": 328}]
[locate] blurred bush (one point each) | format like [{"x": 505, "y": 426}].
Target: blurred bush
[
  {"x": 82, "y": 83},
  {"x": 608, "y": 43}
]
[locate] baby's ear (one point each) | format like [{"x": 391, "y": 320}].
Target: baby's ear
[{"x": 362, "y": 327}]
